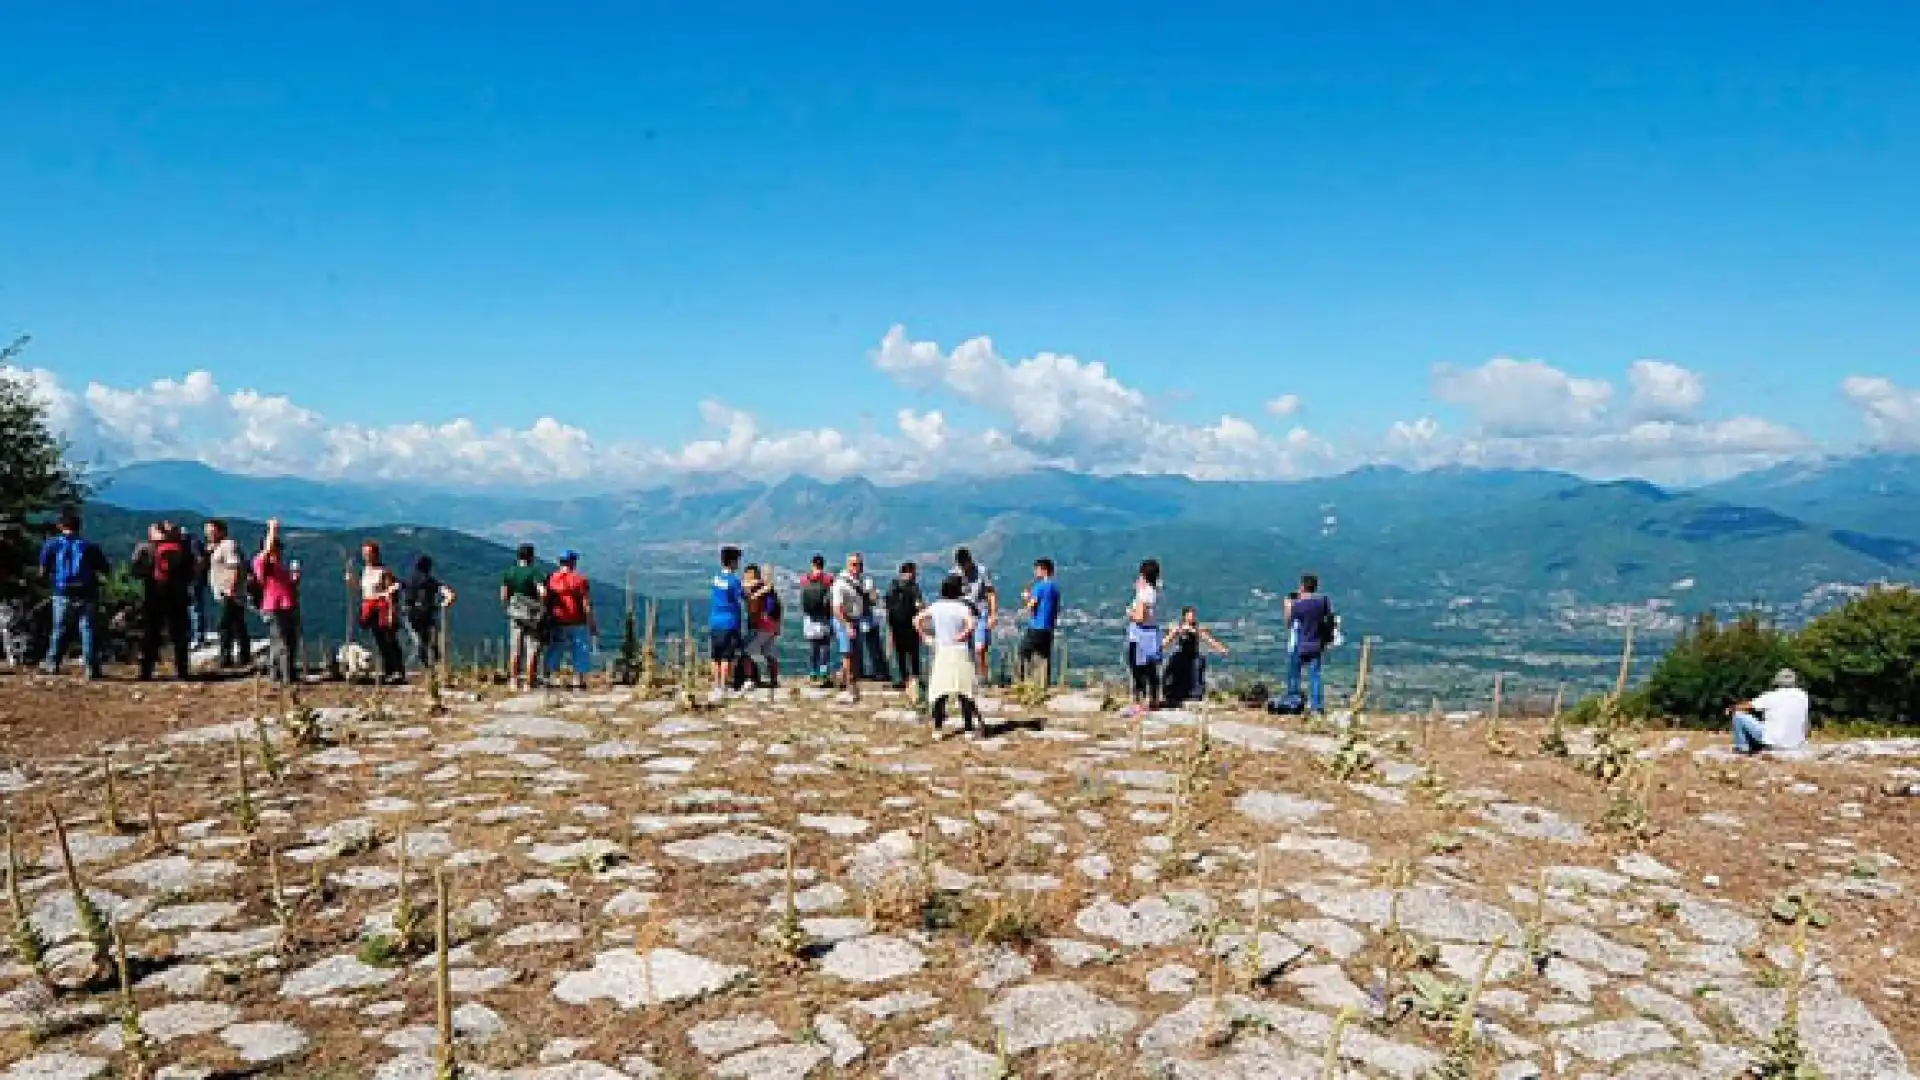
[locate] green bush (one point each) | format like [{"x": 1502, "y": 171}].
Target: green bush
[
  {"x": 1862, "y": 661},
  {"x": 1714, "y": 665}
]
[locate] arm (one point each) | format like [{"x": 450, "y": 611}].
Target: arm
[
  {"x": 993, "y": 604},
  {"x": 46, "y": 560},
  {"x": 1213, "y": 643},
  {"x": 506, "y": 594},
  {"x": 447, "y": 596},
  {"x": 586, "y": 604},
  {"x": 923, "y": 622}
]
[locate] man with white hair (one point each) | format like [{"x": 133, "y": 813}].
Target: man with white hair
[{"x": 1776, "y": 720}]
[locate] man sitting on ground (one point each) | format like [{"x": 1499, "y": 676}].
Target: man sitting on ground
[{"x": 1776, "y": 720}]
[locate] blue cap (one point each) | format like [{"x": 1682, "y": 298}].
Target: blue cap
[{"x": 569, "y": 556}]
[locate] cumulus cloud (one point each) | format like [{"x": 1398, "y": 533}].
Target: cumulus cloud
[
  {"x": 1523, "y": 397},
  {"x": 1047, "y": 410},
  {"x": 1061, "y": 411},
  {"x": 1890, "y": 412},
  {"x": 1663, "y": 391}
]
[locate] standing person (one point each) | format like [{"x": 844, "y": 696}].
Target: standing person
[
  {"x": 873, "y": 645},
  {"x": 849, "y": 607},
  {"x": 1143, "y": 636},
  {"x": 949, "y": 622},
  {"x": 227, "y": 581},
  {"x": 1042, "y": 600},
  {"x": 979, "y": 591},
  {"x": 726, "y": 620},
  {"x": 816, "y": 619},
  {"x": 380, "y": 611},
  {"x": 523, "y": 593},
  {"x": 73, "y": 567},
  {"x": 425, "y": 596},
  {"x": 570, "y": 606},
  {"x": 279, "y": 580},
  {"x": 1186, "y": 674},
  {"x": 764, "y": 616},
  {"x": 164, "y": 567},
  {"x": 904, "y": 602},
  {"x": 202, "y": 588},
  {"x": 1310, "y": 629}
]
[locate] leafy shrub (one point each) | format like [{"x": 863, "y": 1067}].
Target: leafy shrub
[
  {"x": 1859, "y": 660},
  {"x": 1715, "y": 664}
]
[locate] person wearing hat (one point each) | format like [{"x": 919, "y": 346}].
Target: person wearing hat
[
  {"x": 1776, "y": 720},
  {"x": 570, "y": 606}
]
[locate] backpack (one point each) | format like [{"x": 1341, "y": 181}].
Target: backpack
[
  {"x": 172, "y": 566},
  {"x": 903, "y": 602},
  {"x": 1329, "y": 628},
  {"x": 1290, "y": 703},
  {"x": 816, "y": 600},
  {"x": 70, "y": 570}
]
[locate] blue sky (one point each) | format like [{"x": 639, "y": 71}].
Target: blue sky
[{"x": 396, "y": 215}]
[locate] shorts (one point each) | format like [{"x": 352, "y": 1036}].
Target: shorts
[
  {"x": 727, "y": 646},
  {"x": 1037, "y": 643},
  {"x": 850, "y": 644},
  {"x": 764, "y": 646},
  {"x": 982, "y": 635}
]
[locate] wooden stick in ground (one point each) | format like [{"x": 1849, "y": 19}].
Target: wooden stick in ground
[
  {"x": 1360, "y": 683},
  {"x": 1626, "y": 665},
  {"x": 449, "y": 1066}
]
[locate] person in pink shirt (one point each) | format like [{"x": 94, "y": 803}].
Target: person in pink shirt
[{"x": 279, "y": 583}]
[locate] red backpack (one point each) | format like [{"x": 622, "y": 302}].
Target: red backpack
[{"x": 171, "y": 564}]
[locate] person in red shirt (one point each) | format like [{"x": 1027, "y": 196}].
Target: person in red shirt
[{"x": 570, "y": 607}]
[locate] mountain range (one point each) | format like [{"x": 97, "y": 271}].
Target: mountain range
[{"x": 1520, "y": 559}]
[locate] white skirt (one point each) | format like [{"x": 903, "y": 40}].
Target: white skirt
[{"x": 953, "y": 672}]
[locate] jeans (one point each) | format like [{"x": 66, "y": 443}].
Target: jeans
[
  {"x": 820, "y": 656},
  {"x": 572, "y": 643},
  {"x": 236, "y": 641},
  {"x": 70, "y": 612},
  {"x": 283, "y": 632},
  {"x": 197, "y": 614},
  {"x": 1749, "y": 736},
  {"x": 874, "y": 650},
  {"x": 426, "y": 642},
  {"x": 1316, "y": 691}
]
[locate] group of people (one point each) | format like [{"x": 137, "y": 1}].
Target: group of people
[
  {"x": 176, "y": 575},
  {"x": 842, "y": 616}
]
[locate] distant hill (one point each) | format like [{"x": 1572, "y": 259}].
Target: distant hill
[
  {"x": 469, "y": 565},
  {"x": 1872, "y": 494}
]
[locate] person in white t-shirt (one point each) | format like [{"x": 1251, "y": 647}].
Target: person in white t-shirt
[{"x": 1776, "y": 720}]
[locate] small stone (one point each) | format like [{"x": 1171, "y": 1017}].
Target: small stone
[
  {"x": 1049, "y": 1014},
  {"x": 265, "y": 1041},
  {"x": 632, "y": 980},
  {"x": 722, "y": 847},
  {"x": 954, "y": 1061},
  {"x": 332, "y": 976},
  {"x": 718, "y": 1038},
  {"x": 839, "y": 1040},
  {"x": 1172, "y": 979},
  {"x": 872, "y": 959},
  {"x": 786, "y": 1062},
  {"x": 1611, "y": 1040}
]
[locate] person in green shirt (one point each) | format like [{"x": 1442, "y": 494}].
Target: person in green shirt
[{"x": 523, "y": 593}]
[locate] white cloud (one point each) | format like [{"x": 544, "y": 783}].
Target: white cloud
[
  {"x": 1523, "y": 397},
  {"x": 1066, "y": 412},
  {"x": 1049, "y": 410},
  {"x": 1663, "y": 391},
  {"x": 1890, "y": 412}
]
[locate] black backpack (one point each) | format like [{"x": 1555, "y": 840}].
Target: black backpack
[{"x": 816, "y": 600}]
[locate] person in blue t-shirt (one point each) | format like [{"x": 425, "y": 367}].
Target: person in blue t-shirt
[
  {"x": 1310, "y": 631},
  {"x": 726, "y": 618},
  {"x": 1043, "y": 615},
  {"x": 74, "y": 567}
]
